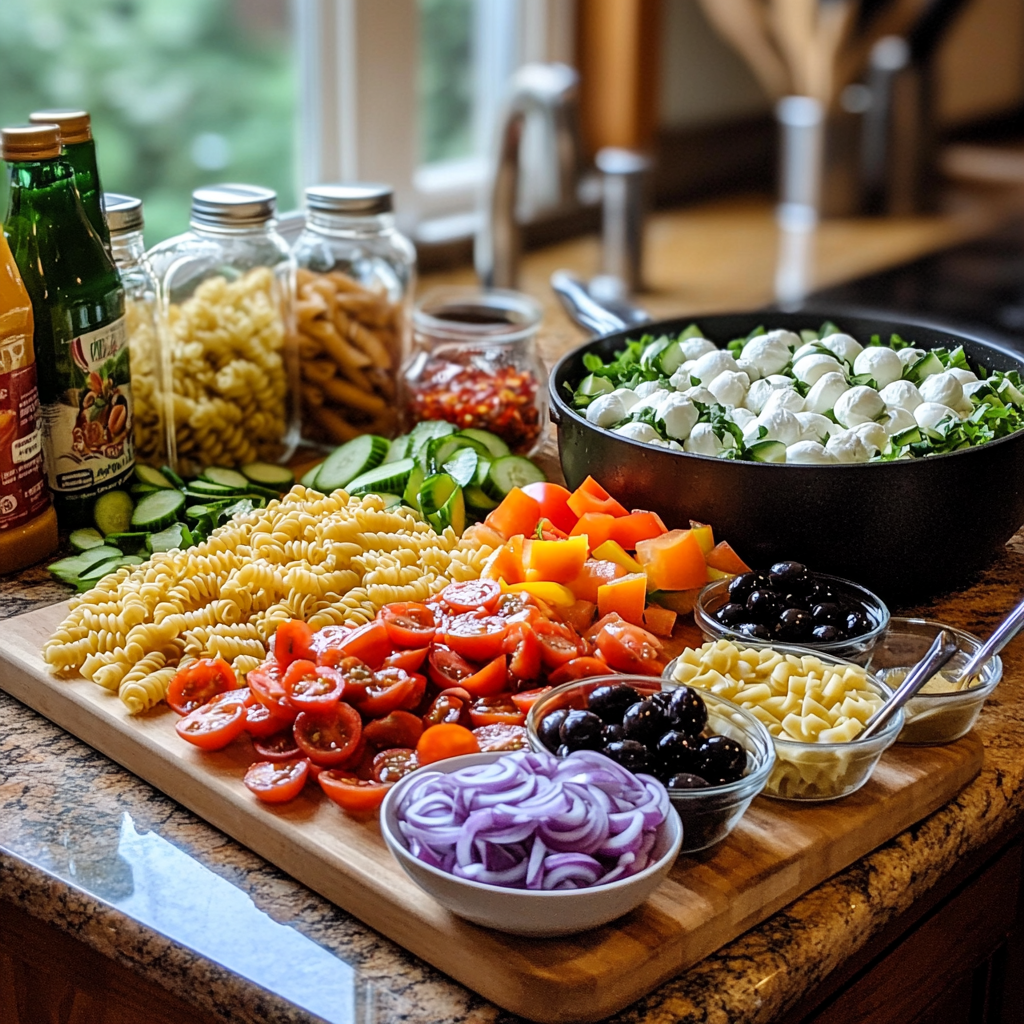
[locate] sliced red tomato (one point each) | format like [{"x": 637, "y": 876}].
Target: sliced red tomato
[
  {"x": 501, "y": 737},
  {"x": 212, "y": 726},
  {"x": 279, "y": 746},
  {"x": 314, "y": 770},
  {"x": 558, "y": 643},
  {"x": 392, "y": 765},
  {"x": 446, "y": 707},
  {"x": 446, "y": 668},
  {"x": 261, "y": 722},
  {"x": 579, "y": 668},
  {"x": 491, "y": 679},
  {"x": 629, "y": 648},
  {"x": 522, "y": 645},
  {"x": 525, "y": 700},
  {"x": 199, "y": 682},
  {"x": 276, "y": 782},
  {"x": 411, "y": 660},
  {"x": 329, "y": 739},
  {"x": 579, "y": 615},
  {"x": 369, "y": 643},
  {"x": 476, "y": 637},
  {"x": 329, "y": 636},
  {"x": 408, "y": 623},
  {"x": 398, "y": 729},
  {"x": 292, "y": 640},
  {"x": 469, "y": 595},
  {"x": 554, "y": 503},
  {"x": 312, "y": 687},
  {"x": 352, "y": 794},
  {"x": 266, "y": 686},
  {"x": 390, "y": 689},
  {"x": 445, "y": 740},
  {"x": 497, "y": 710},
  {"x": 243, "y": 695}
]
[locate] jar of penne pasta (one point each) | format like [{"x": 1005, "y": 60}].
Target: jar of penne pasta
[
  {"x": 226, "y": 327},
  {"x": 354, "y": 281}
]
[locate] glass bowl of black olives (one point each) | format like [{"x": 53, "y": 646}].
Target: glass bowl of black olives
[
  {"x": 712, "y": 756},
  {"x": 790, "y": 604}
]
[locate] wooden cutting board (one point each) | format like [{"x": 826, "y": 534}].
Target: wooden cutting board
[{"x": 777, "y": 852}]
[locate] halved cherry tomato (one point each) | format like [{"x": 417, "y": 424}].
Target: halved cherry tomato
[
  {"x": 445, "y": 740},
  {"x": 446, "y": 668},
  {"x": 629, "y": 648},
  {"x": 525, "y": 700},
  {"x": 398, "y": 729},
  {"x": 243, "y": 695},
  {"x": 261, "y": 722},
  {"x": 199, "y": 682},
  {"x": 408, "y": 623},
  {"x": 329, "y": 739},
  {"x": 362, "y": 766},
  {"x": 522, "y": 644},
  {"x": 476, "y": 637},
  {"x": 314, "y": 770},
  {"x": 410, "y": 660},
  {"x": 579, "y": 668},
  {"x": 352, "y": 794},
  {"x": 357, "y": 676},
  {"x": 279, "y": 746},
  {"x": 497, "y": 710},
  {"x": 501, "y": 737},
  {"x": 265, "y": 683},
  {"x": 491, "y": 679},
  {"x": 446, "y": 707},
  {"x": 276, "y": 782},
  {"x": 390, "y": 688},
  {"x": 392, "y": 765},
  {"x": 554, "y": 504},
  {"x": 469, "y": 595},
  {"x": 311, "y": 687},
  {"x": 213, "y": 726},
  {"x": 558, "y": 643},
  {"x": 292, "y": 640},
  {"x": 329, "y": 636},
  {"x": 369, "y": 643}
]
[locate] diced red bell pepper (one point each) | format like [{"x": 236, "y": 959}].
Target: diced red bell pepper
[{"x": 637, "y": 526}]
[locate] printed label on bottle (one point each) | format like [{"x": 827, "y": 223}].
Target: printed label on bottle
[
  {"x": 23, "y": 493},
  {"x": 87, "y": 435}
]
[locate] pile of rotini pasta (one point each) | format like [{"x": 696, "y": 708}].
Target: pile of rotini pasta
[{"x": 327, "y": 559}]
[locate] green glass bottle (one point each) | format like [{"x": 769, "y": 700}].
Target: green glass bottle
[
  {"x": 79, "y": 150},
  {"x": 80, "y": 333}
]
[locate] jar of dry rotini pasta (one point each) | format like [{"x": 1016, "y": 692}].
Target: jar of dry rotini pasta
[
  {"x": 225, "y": 322},
  {"x": 124, "y": 218},
  {"x": 355, "y": 278}
]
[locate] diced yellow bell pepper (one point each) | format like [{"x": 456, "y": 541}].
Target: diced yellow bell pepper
[
  {"x": 553, "y": 593},
  {"x": 613, "y": 551},
  {"x": 705, "y": 536},
  {"x": 718, "y": 574}
]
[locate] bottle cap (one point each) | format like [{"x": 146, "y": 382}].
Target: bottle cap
[
  {"x": 233, "y": 205},
  {"x": 357, "y": 198},
  {"x": 123, "y": 213},
  {"x": 30, "y": 142},
  {"x": 74, "y": 125}
]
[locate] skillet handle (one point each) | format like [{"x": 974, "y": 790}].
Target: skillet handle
[{"x": 582, "y": 309}]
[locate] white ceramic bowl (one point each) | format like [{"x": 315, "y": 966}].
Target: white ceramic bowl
[{"x": 525, "y": 911}]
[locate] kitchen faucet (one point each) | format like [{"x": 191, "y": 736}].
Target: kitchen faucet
[{"x": 549, "y": 93}]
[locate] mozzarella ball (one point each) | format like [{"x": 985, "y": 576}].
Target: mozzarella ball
[
  {"x": 814, "y": 427},
  {"x": 650, "y": 402},
  {"x": 704, "y": 441},
  {"x": 742, "y": 417},
  {"x": 964, "y": 376},
  {"x": 784, "y": 398},
  {"x": 896, "y": 420},
  {"x": 711, "y": 364},
  {"x": 881, "y": 364},
  {"x": 677, "y": 416},
  {"x": 858, "y": 405},
  {"x": 682, "y": 379},
  {"x": 730, "y": 388},
  {"x": 842, "y": 346},
  {"x": 606, "y": 410},
  {"x": 809, "y": 348},
  {"x": 943, "y": 388},
  {"x": 873, "y": 435},
  {"x": 646, "y": 388},
  {"x": 694, "y": 348},
  {"x": 638, "y": 432},
  {"x": 628, "y": 397},
  {"x": 768, "y": 352},
  {"x": 700, "y": 394},
  {"x": 761, "y": 389},
  {"x": 780, "y": 425},
  {"x": 825, "y": 392},
  {"x": 809, "y": 453},
  {"x": 847, "y": 446},
  {"x": 909, "y": 356},
  {"x": 930, "y": 414},
  {"x": 812, "y": 368},
  {"x": 752, "y": 370},
  {"x": 901, "y": 394}
]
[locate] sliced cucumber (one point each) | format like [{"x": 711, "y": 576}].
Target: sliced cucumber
[
  {"x": 199, "y": 511},
  {"x": 87, "y": 537},
  {"x": 158, "y": 510},
  {"x": 132, "y": 560},
  {"x": 912, "y": 435},
  {"x": 151, "y": 477},
  {"x": 461, "y": 467},
  {"x": 390, "y": 500},
  {"x": 425, "y": 431},
  {"x": 391, "y": 478},
  {"x": 269, "y": 475},
  {"x": 239, "y": 508},
  {"x": 670, "y": 359},
  {"x": 201, "y": 486},
  {"x": 225, "y": 477},
  {"x": 140, "y": 490},
  {"x": 445, "y": 448},
  {"x": 494, "y": 444},
  {"x": 508, "y": 472},
  {"x": 96, "y": 572},
  {"x": 176, "y": 536},
  {"x": 649, "y": 356},
  {"x": 112, "y": 512},
  {"x": 435, "y": 492},
  {"x": 927, "y": 365},
  {"x": 129, "y": 543},
  {"x": 411, "y": 494},
  {"x": 592, "y": 386},
  {"x": 94, "y": 555},
  {"x": 452, "y": 513},
  {"x": 399, "y": 449},
  {"x": 768, "y": 451},
  {"x": 309, "y": 477},
  {"x": 69, "y": 568},
  {"x": 172, "y": 476},
  {"x": 477, "y": 499},
  {"x": 351, "y": 460}
]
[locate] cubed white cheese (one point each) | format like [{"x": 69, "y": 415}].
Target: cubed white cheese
[
  {"x": 812, "y": 367},
  {"x": 809, "y": 453},
  {"x": 825, "y": 392},
  {"x": 842, "y": 346},
  {"x": 704, "y": 441},
  {"x": 859, "y": 405},
  {"x": 730, "y": 388},
  {"x": 815, "y": 427},
  {"x": 901, "y": 394},
  {"x": 638, "y": 432},
  {"x": 768, "y": 352},
  {"x": 677, "y": 415},
  {"x": 881, "y": 364}
]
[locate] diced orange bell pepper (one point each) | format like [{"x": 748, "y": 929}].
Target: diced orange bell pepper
[
  {"x": 679, "y": 601},
  {"x": 637, "y": 526},
  {"x": 559, "y": 561},
  {"x": 612, "y": 551},
  {"x": 673, "y": 561},
  {"x": 597, "y": 526},
  {"x": 590, "y": 496},
  {"x": 553, "y": 593},
  {"x": 579, "y": 615},
  {"x": 627, "y": 596},
  {"x": 723, "y": 557},
  {"x": 517, "y": 513},
  {"x": 660, "y": 621},
  {"x": 705, "y": 536},
  {"x": 595, "y": 573},
  {"x": 506, "y": 563},
  {"x": 546, "y": 530}
]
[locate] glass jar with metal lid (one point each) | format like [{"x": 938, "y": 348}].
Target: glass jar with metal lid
[
  {"x": 225, "y": 321},
  {"x": 355, "y": 278}
]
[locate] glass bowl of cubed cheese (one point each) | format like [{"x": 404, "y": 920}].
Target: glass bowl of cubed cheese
[{"x": 814, "y": 706}]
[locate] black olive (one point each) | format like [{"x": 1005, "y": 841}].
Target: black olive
[
  {"x": 610, "y": 702},
  {"x": 721, "y": 760},
  {"x": 857, "y": 623},
  {"x": 646, "y": 722},
  {"x": 794, "y": 624},
  {"x": 662, "y": 698},
  {"x": 687, "y": 780},
  {"x": 677, "y": 752},
  {"x": 822, "y": 592},
  {"x": 630, "y": 754},
  {"x": 549, "y": 726},
  {"x": 731, "y": 613},
  {"x": 687, "y": 711},
  {"x": 581, "y": 730},
  {"x": 799, "y": 601},
  {"x": 827, "y": 613},
  {"x": 741, "y": 587},
  {"x": 782, "y": 574},
  {"x": 755, "y": 630},
  {"x": 763, "y": 606},
  {"x": 826, "y": 634},
  {"x": 612, "y": 734}
]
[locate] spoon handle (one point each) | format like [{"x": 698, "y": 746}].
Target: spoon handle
[{"x": 1004, "y": 633}]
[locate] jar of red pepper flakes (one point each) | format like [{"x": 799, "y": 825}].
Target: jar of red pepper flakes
[{"x": 474, "y": 363}]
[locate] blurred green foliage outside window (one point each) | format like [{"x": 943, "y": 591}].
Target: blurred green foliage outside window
[{"x": 446, "y": 79}]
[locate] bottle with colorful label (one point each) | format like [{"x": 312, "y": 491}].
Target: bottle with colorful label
[{"x": 80, "y": 334}]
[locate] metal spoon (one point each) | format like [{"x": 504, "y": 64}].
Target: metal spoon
[
  {"x": 941, "y": 650},
  {"x": 1003, "y": 634}
]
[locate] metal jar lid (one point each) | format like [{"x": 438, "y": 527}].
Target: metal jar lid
[
  {"x": 123, "y": 213},
  {"x": 233, "y": 205},
  {"x": 30, "y": 142},
  {"x": 356, "y": 198},
  {"x": 75, "y": 125}
]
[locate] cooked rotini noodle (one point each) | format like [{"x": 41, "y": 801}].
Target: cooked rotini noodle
[{"x": 142, "y": 694}]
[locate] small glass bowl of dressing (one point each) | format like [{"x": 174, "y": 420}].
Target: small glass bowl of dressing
[{"x": 939, "y": 713}]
